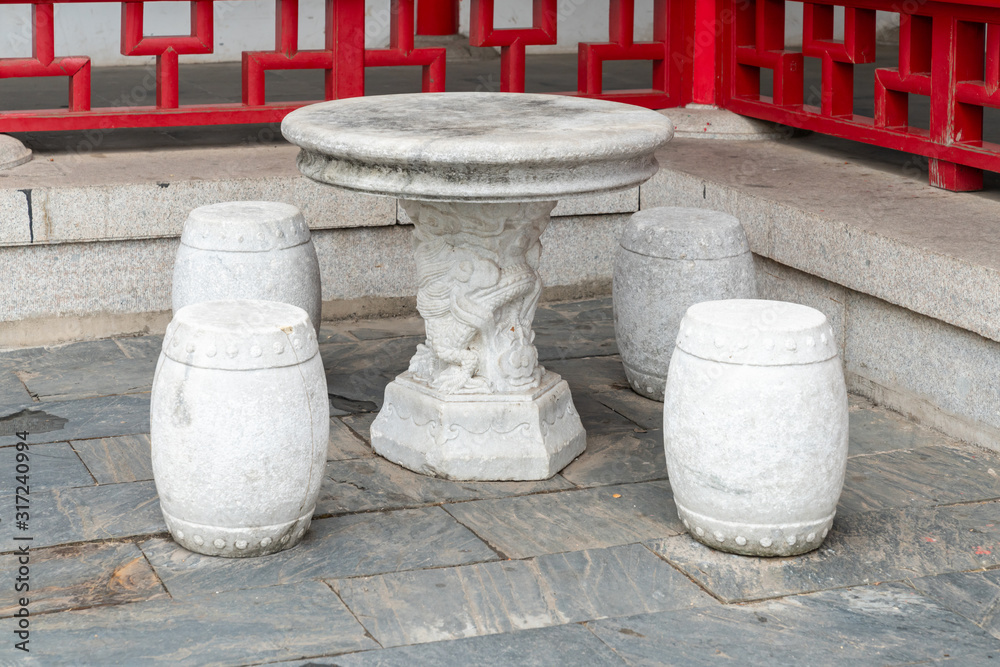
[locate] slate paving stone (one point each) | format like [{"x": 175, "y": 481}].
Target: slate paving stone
[
  {"x": 124, "y": 458},
  {"x": 88, "y": 418},
  {"x": 643, "y": 411},
  {"x": 86, "y": 370},
  {"x": 391, "y": 328},
  {"x": 50, "y": 466},
  {"x": 64, "y": 516},
  {"x": 334, "y": 334},
  {"x": 885, "y": 625},
  {"x": 347, "y": 546},
  {"x": 889, "y": 545},
  {"x": 587, "y": 309},
  {"x": 233, "y": 628},
  {"x": 547, "y": 316},
  {"x": 874, "y": 429},
  {"x": 564, "y": 645},
  {"x": 598, "y": 418},
  {"x": 81, "y": 576},
  {"x": 141, "y": 347},
  {"x": 579, "y": 339},
  {"x": 591, "y": 375},
  {"x": 358, "y": 391},
  {"x": 572, "y": 520},
  {"x": 390, "y": 355},
  {"x": 925, "y": 476},
  {"x": 974, "y": 595},
  {"x": 12, "y": 391},
  {"x": 492, "y": 598},
  {"x": 619, "y": 458},
  {"x": 361, "y": 423},
  {"x": 374, "y": 483},
  {"x": 345, "y": 443}
]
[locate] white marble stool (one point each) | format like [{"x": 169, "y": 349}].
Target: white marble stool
[
  {"x": 669, "y": 259},
  {"x": 240, "y": 423},
  {"x": 248, "y": 250},
  {"x": 755, "y": 426}
]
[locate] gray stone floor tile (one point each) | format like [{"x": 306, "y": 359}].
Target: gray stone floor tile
[
  {"x": 392, "y": 328},
  {"x": 591, "y": 375},
  {"x": 564, "y": 645},
  {"x": 391, "y": 355},
  {"x": 233, "y": 628},
  {"x": 81, "y": 576},
  {"x": 50, "y": 466},
  {"x": 885, "y": 625},
  {"x": 357, "y": 391},
  {"x": 925, "y": 476},
  {"x": 547, "y": 316},
  {"x": 587, "y": 309},
  {"x": 141, "y": 347},
  {"x": 86, "y": 370},
  {"x": 572, "y": 520},
  {"x": 597, "y": 418},
  {"x": 123, "y": 458},
  {"x": 579, "y": 339},
  {"x": 493, "y": 598},
  {"x": 87, "y": 513},
  {"x": 890, "y": 545},
  {"x": 12, "y": 391},
  {"x": 345, "y": 443},
  {"x": 334, "y": 332},
  {"x": 643, "y": 411},
  {"x": 974, "y": 595},
  {"x": 619, "y": 458},
  {"x": 348, "y": 546},
  {"x": 361, "y": 424},
  {"x": 874, "y": 429},
  {"x": 374, "y": 483},
  {"x": 87, "y": 418}
]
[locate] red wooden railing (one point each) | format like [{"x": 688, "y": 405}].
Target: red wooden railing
[{"x": 704, "y": 51}]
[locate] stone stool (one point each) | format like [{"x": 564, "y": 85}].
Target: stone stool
[
  {"x": 248, "y": 250},
  {"x": 755, "y": 426},
  {"x": 239, "y": 421},
  {"x": 671, "y": 258}
]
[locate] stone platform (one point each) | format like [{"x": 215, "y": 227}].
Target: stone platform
[{"x": 590, "y": 567}]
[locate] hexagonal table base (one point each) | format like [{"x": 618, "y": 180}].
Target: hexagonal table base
[{"x": 508, "y": 436}]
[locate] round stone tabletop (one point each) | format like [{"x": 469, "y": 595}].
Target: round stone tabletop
[{"x": 485, "y": 147}]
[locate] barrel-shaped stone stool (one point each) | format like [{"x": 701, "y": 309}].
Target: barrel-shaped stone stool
[
  {"x": 668, "y": 259},
  {"x": 247, "y": 250},
  {"x": 240, "y": 422},
  {"x": 755, "y": 426}
]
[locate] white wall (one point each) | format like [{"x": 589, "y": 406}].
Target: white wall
[{"x": 93, "y": 29}]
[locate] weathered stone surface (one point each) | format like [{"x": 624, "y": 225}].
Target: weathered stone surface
[
  {"x": 974, "y": 595},
  {"x": 572, "y": 520},
  {"x": 348, "y": 546},
  {"x": 87, "y": 418},
  {"x": 361, "y": 424},
  {"x": 594, "y": 374},
  {"x": 645, "y": 412},
  {"x": 619, "y": 458},
  {"x": 493, "y": 598},
  {"x": 875, "y": 429},
  {"x": 373, "y": 483},
  {"x": 561, "y": 645},
  {"x": 51, "y": 466},
  {"x": 63, "y": 516},
  {"x": 82, "y": 576},
  {"x": 85, "y": 370},
  {"x": 888, "y": 625},
  {"x": 231, "y": 628},
  {"x": 345, "y": 443},
  {"x": 248, "y": 250},
  {"x": 240, "y": 426},
  {"x": 598, "y": 419},
  {"x": 124, "y": 458},
  {"x": 755, "y": 426},
  {"x": 12, "y": 390},
  {"x": 670, "y": 258},
  {"x": 919, "y": 477},
  {"x": 890, "y": 545}
]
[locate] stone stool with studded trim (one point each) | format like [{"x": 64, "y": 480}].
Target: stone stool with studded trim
[
  {"x": 248, "y": 250},
  {"x": 240, "y": 422},
  {"x": 670, "y": 258},
  {"x": 755, "y": 426}
]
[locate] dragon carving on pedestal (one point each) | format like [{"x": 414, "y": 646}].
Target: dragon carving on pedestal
[{"x": 478, "y": 288}]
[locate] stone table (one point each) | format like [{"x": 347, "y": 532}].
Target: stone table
[{"x": 478, "y": 174}]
